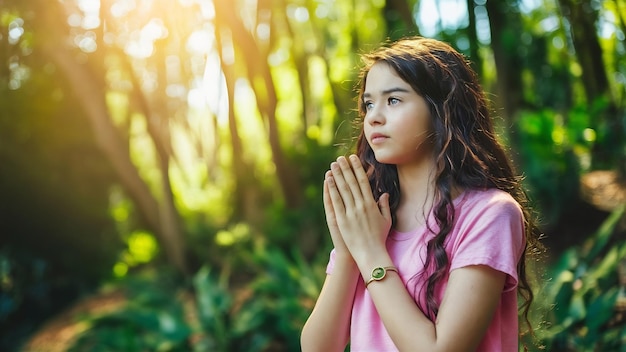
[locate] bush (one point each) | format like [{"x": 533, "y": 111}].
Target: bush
[{"x": 580, "y": 300}]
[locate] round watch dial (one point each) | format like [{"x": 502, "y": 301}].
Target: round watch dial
[{"x": 378, "y": 273}]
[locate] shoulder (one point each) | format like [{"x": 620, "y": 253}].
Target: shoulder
[
  {"x": 489, "y": 230},
  {"x": 490, "y": 200},
  {"x": 488, "y": 214}
]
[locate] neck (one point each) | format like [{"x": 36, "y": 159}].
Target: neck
[{"x": 416, "y": 195}]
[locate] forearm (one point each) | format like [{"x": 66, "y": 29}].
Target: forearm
[
  {"x": 328, "y": 326},
  {"x": 466, "y": 310},
  {"x": 405, "y": 323}
]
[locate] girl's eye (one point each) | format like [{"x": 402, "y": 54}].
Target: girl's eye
[
  {"x": 393, "y": 101},
  {"x": 368, "y": 105}
]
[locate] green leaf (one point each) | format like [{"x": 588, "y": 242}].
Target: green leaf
[
  {"x": 595, "y": 244},
  {"x": 601, "y": 309},
  {"x": 577, "y": 309}
]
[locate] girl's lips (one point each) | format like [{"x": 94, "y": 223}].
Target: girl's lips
[{"x": 377, "y": 138}]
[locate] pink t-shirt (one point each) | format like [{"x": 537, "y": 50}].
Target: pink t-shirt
[{"x": 488, "y": 230}]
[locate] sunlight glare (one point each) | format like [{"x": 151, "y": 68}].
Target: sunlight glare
[
  {"x": 74, "y": 20},
  {"x": 483, "y": 28},
  {"x": 207, "y": 9},
  {"x": 558, "y": 43},
  {"x": 213, "y": 90},
  {"x": 16, "y": 30},
  {"x": 449, "y": 14},
  {"x": 175, "y": 90},
  {"x": 122, "y": 7},
  {"x": 155, "y": 29},
  {"x": 201, "y": 42},
  {"x": 263, "y": 31},
  {"x": 529, "y": 5},
  {"x": 91, "y": 11},
  {"x": 142, "y": 45},
  {"x": 607, "y": 24},
  {"x": 86, "y": 42},
  {"x": 278, "y": 57},
  {"x": 321, "y": 11},
  {"x": 139, "y": 49},
  {"x": 301, "y": 14},
  {"x": 196, "y": 98},
  {"x": 550, "y": 24}
]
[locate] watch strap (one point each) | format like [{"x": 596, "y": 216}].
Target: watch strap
[{"x": 379, "y": 273}]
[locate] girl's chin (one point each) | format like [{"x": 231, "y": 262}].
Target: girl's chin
[{"x": 384, "y": 159}]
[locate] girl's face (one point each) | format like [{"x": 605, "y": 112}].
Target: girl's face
[{"x": 397, "y": 121}]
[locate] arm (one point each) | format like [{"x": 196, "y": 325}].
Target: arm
[
  {"x": 472, "y": 294},
  {"x": 470, "y": 300},
  {"x": 328, "y": 326}
]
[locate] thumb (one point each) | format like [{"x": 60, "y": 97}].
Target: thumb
[{"x": 383, "y": 205}]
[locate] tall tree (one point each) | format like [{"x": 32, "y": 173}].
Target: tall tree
[
  {"x": 582, "y": 18},
  {"x": 258, "y": 70},
  {"x": 506, "y": 29},
  {"x": 88, "y": 82}
]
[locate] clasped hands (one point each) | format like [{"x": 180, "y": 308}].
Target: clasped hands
[{"x": 358, "y": 224}]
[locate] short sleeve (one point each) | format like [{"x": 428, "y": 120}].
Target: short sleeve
[{"x": 490, "y": 231}]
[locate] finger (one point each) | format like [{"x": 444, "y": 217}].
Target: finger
[
  {"x": 328, "y": 204},
  {"x": 342, "y": 186},
  {"x": 383, "y": 205},
  {"x": 336, "y": 201},
  {"x": 361, "y": 177},
  {"x": 350, "y": 179}
]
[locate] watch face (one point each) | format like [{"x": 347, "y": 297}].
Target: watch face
[{"x": 378, "y": 273}]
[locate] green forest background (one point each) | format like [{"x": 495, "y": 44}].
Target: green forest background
[{"x": 161, "y": 162}]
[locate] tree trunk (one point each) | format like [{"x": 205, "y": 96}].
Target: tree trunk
[
  {"x": 399, "y": 19},
  {"x": 246, "y": 192},
  {"x": 91, "y": 93},
  {"x": 472, "y": 36},
  {"x": 582, "y": 19},
  {"x": 258, "y": 68},
  {"x": 506, "y": 28}
]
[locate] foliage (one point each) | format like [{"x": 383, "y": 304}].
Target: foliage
[
  {"x": 151, "y": 321},
  {"x": 163, "y": 314},
  {"x": 548, "y": 151},
  {"x": 580, "y": 300},
  {"x": 31, "y": 290},
  {"x": 575, "y": 310},
  {"x": 281, "y": 298},
  {"x": 197, "y": 132}
]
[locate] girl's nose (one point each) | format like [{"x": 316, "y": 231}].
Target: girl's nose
[{"x": 375, "y": 116}]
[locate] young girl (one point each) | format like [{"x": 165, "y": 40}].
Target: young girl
[{"x": 428, "y": 219}]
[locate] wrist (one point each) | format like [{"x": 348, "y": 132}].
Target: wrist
[
  {"x": 379, "y": 273},
  {"x": 367, "y": 264},
  {"x": 345, "y": 260}
]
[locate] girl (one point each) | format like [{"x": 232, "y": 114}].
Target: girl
[{"x": 428, "y": 220}]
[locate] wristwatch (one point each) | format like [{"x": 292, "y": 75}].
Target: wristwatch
[{"x": 379, "y": 273}]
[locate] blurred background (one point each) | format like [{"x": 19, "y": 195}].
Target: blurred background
[{"x": 161, "y": 162}]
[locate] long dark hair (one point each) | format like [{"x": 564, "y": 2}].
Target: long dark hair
[{"x": 466, "y": 149}]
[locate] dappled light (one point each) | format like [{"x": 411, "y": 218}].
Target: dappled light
[{"x": 168, "y": 156}]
